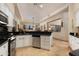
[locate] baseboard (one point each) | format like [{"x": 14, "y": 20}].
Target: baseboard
[
  {"x": 23, "y": 47},
  {"x": 45, "y": 49}
]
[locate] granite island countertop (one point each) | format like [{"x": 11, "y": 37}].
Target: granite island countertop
[{"x": 32, "y": 33}]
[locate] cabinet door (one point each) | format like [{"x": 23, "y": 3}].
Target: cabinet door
[
  {"x": 43, "y": 41},
  {"x": 27, "y": 40},
  {"x": 4, "y": 49},
  {"x": 76, "y": 43},
  {"x": 47, "y": 42},
  {"x": 19, "y": 41},
  {"x": 71, "y": 41}
]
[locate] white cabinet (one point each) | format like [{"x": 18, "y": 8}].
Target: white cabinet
[
  {"x": 45, "y": 42},
  {"x": 10, "y": 19},
  {"x": 4, "y": 49},
  {"x": 28, "y": 40},
  {"x": 5, "y": 9},
  {"x": 74, "y": 42},
  {"x": 23, "y": 41},
  {"x": 19, "y": 41}
]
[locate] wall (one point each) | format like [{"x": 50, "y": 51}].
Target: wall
[
  {"x": 76, "y": 8},
  {"x": 11, "y": 7},
  {"x": 73, "y": 8},
  {"x": 63, "y": 35},
  {"x": 64, "y": 30}
]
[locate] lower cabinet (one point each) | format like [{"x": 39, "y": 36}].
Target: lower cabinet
[
  {"x": 27, "y": 40},
  {"x": 4, "y": 49},
  {"x": 74, "y": 42},
  {"x": 45, "y": 42},
  {"x": 19, "y": 41},
  {"x": 23, "y": 41}
]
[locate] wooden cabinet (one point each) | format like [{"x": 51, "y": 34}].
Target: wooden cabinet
[
  {"x": 23, "y": 41},
  {"x": 74, "y": 42},
  {"x": 4, "y": 49},
  {"x": 45, "y": 42}
]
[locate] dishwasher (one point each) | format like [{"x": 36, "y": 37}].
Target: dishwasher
[{"x": 36, "y": 41}]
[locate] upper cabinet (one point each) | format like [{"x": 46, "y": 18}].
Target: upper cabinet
[{"x": 5, "y": 9}]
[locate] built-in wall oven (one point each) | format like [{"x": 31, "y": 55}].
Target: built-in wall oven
[
  {"x": 3, "y": 29},
  {"x": 3, "y": 33},
  {"x": 6, "y": 35},
  {"x": 3, "y": 18}
]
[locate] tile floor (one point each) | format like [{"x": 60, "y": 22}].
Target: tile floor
[{"x": 59, "y": 48}]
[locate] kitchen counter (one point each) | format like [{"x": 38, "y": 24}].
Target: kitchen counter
[
  {"x": 2, "y": 42},
  {"x": 75, "y": 35},
  {"x": 32, "y": 33},
  {"x": 74, "y": 42},
  {"x": 39, "y": 39},
  {"x": 3, "y": 37}
]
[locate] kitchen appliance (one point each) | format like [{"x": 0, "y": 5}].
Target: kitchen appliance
[
  {"x": 36, "y": 41},
  {"x": 12, "y": 45},
  {"x": 3, "y": 33},
  {"x": 3, "y": 26},
  {"x": 3, "y": 18}
]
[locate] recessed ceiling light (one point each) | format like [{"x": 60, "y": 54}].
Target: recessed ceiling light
[
  {"x": 38, "y": 4},
  {"x": 41, "y": 6}
]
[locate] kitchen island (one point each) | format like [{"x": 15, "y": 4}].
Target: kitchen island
[{"x": 38, "y": 39}]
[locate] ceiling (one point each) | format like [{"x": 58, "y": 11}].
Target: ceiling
[{"x": 34, "y": 12}]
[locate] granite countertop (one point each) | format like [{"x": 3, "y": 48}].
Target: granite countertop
[
  {"x": 32, "y": 33},
  {"x": 74, "y": 34},
  {"x": 3, "y": 41}
]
